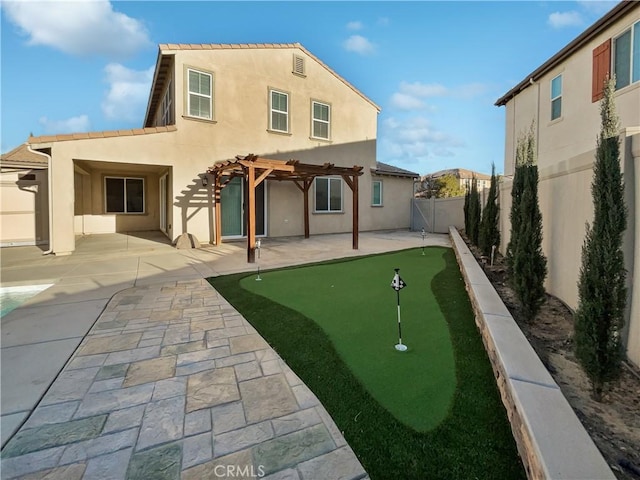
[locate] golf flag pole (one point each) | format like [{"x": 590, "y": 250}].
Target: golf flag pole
[{"x": 398, "y": 284}]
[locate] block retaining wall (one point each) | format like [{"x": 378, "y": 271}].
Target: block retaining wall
[{"x": 551, "y": 441}]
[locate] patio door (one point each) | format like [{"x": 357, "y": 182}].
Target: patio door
[{"x": 233, "y": 211}]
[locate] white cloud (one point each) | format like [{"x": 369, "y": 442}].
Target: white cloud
[
  {"x": 410, "y": 95},
  {"x": 414, "y": 140},
  {"x": 402, "y": 101},
  {"x": 78, "y": 27},
  {"x": 355, "y": 25},
  {"x": 566, "y": 19},
  {"x": 423, "y": 89},
  {"x": 128, "y": 92},
  {"x": 359, "y": 44},
  {"x": 77, "y": 124}
]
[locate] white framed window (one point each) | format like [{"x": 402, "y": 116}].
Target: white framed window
[
  {"x": 167, "y": 105},
  {"x": 556, "y": 97},
  {"x": 320, "y": 120},
  {"x": 279, "y": 106},
  {"x": 328, "y": 194},
  {"x": 626, "y": 56},
  {"x": 124, "y": 195},
  {"x": 200, "y": 94},
  {"x": 376, "y": 193}
]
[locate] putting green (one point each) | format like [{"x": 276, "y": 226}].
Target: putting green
[{"x": 353, "y": 302}]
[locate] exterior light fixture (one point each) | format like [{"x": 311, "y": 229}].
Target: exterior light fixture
[{"x": 205, "y": 180}]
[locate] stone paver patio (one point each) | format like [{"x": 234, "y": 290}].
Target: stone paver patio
[{"x": 173, "y": 383}]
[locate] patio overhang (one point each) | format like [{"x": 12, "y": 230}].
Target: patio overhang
[{"x": 254, "y": 170}]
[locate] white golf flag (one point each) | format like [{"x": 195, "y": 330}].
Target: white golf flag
[{"x": 397, "y": 283}]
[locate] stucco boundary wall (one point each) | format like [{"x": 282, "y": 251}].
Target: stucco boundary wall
[{"x": 551, "y": 441}]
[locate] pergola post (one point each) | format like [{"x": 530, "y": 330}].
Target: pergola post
[
  {"x": 217, "y": 188},
  {"x": 355, "y": 227},
  {"x": 305, "y": 193},
  {"x": 352, "y": 181},
  {"x": 251, "y": 214}
]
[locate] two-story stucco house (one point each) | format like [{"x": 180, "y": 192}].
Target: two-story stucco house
[
  {"x": 562, "y": 98},
  {"x": 209, "y": 104}
]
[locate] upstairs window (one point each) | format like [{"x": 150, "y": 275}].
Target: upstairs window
[
  {"x": 626, "y": 57},
  {"x": 556, "y": 97},
  {"x": 200, "y": 94},
  {"x": 328, "y": 194},
  {"x": 321, "y": 120},
  {"x": 279, "y": 117}
]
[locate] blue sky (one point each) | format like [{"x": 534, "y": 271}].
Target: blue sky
[{"x": 435, "y": 68}]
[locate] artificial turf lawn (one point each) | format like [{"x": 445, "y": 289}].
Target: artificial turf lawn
[
  {"x": 354, "y": 304},
  {"x": 473, "y": 441}
]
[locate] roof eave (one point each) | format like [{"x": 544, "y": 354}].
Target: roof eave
[
  {"x": 615, "y": 13},
  {"x": 153, "y": 87},
  {"x": 396, "y": 174}
]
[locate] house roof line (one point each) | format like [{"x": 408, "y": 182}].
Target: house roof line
[
  {"x": 390, "y": 170},
  {"x": 22, "y": 157},
  {"x": 101, "y": 134},
  {"x": 616, "y": 12},
  {"x": 461, "y": 173},
  {"x": 245, "y": 46}
]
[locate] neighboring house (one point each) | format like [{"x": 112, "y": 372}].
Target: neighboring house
[
  {"x": 464, "y": 178},
  {"x": 211, "y": 103},
  {"x": 24, "y": 212},
  {"x": 562, "y": 98}
]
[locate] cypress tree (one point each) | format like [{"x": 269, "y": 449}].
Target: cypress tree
[
  {"x": 525, "y": 154},
  {"x": 529, "y": 264},
  {"x": 467, "y": 195},
  {"x": 601, "y": 286},
  {"x": 474, "y": 212},
  {"x": 489, "y": 229}
]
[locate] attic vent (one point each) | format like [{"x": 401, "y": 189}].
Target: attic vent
[{"x": 298, "y": 65}]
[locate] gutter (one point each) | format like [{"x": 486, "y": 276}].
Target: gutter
[{"x": 49, "y": 194}]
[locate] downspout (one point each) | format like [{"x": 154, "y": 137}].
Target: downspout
[
  {"x": 533, "y": 82},
  {"x": 50, "y": 197}
]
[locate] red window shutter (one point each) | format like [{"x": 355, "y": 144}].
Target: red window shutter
[{"x": 601, "y": 67}]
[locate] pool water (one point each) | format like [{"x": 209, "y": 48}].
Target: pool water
[{"x": 12, "y": 297}]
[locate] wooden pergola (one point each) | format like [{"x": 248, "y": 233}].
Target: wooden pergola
[{"x": 254, "y": 170}]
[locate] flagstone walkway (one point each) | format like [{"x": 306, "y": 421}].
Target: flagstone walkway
[{"x": 173, "y": 383}]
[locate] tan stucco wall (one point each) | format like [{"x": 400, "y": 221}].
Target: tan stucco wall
[
  {"x": 565, "y": 156},
  {"x": 566, "y": 205},
  {"x": 90, "y": 200},
  {"x": 241, "y": 82},
  {"x": 24, "y": 215}
]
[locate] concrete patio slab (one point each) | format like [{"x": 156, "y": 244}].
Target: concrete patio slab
[{"x": 158, "y": 294}]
